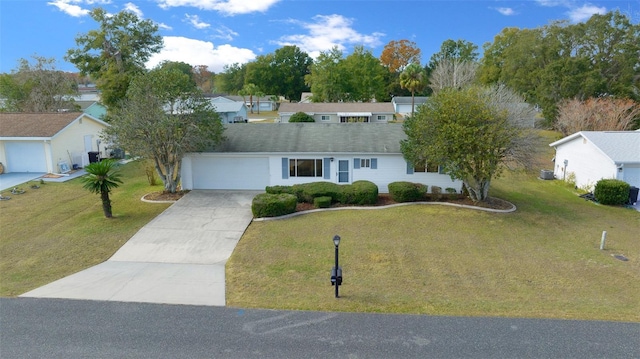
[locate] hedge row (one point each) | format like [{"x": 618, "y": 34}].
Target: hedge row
[
  {"x": 321, "y": 194},
  {"x": 413, "y": 192}
]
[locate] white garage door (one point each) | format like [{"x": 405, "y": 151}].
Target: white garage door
[
  {"x": 230, "y": 173},
  {"x": 25, "y": 156}
]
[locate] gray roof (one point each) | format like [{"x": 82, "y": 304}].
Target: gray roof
[
  {"x": 619, "y": 146},
  {"x": 228, "y": 106},
  {"x": 313, "y": 137},
  {"x": 418, "y": 100},
  {"x": 335, "y": 107}
]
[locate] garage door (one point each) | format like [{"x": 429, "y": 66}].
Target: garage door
[
  {"x": 230, "y": 173},
  {"x": 25, "y": 156}
]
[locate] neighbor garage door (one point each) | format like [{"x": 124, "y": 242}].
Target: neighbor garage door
[
  {"x": 25, "y": 156},
  {"x": 230, "y": 173}
]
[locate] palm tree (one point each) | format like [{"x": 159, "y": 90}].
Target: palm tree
[
  {"x": 412, "y": 79},
  {"x": 101, "y": 179}
]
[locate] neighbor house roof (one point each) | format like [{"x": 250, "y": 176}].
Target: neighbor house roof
[
  {"x": 312, "y": 137},
  {"x": 228, "y": 106},
  {"x": 37, "y": 124},
  {"x": 335, "y": 107},
  {"x": 406, "y": 100},
  {"x": 619, "y": 146}
]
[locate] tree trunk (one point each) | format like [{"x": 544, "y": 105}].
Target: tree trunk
[
  {"x": 478, "y": 189},
  {"x": 170, "y": 176},
  {"x": 106, "y": 204}
]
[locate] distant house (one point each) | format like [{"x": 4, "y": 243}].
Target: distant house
[
  {"x": 230, "y": 111},
  {"x": 589, "y": 156},
  {"x": 262, "y": 103},
  {"x": 254, "y": 156},
  {"x": 340, "y": 112},
  {"x": 49, "y": 142},
  {"x": 402, "y": 104}
]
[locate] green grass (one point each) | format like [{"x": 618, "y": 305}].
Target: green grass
[
  {"x": 60, "y": 229},
  {"x": 542, "y": 261}
]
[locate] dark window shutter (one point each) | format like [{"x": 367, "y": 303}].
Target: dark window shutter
[
  {"x": 326, "y": 168},
  {"x": 285, "y": 168},
  {"x": 356, "y": 163},
  {"x": 374, "y": 163},
  {"x": 409, "y": 168},
  {"x": 440, "y": 170}
]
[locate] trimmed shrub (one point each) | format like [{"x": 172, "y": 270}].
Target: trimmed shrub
[
  {"x": 612, "y": 192},
  {"x": 309, "y": 191},
  {"x": 359, "y": 192},
  {"x": 322, "y": 202},
  {"x": 273, "y": 205},
  {"x": 436, "y": 193},
  {"x": 403, "y": 191},
  {"x": 301, "y": 117}
]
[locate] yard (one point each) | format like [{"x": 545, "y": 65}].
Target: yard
[{"x": 541, "y": 261}]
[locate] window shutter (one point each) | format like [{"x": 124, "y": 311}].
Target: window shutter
[
  {"x": 409, "y": 168},
  {"x": 356, "y": 163},
  {"x": 326, "y": 168},
  {"x": 440, "y": 170},
  {"x": 285, "y": 168},
  {"x": 374, "y": 163}
]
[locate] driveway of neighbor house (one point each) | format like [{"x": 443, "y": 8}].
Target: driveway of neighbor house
[{"x": 177, "y": 258}]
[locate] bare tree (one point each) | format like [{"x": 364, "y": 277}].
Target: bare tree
[
  {"x": 597, "y": 114},
  {"x": 452, "y": 73}
]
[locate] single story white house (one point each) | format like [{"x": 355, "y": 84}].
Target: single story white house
[
  {"x": 49, "y": 142},
  {"x": 254, "y": 156},
  {"x": 339, "y": 112},
  {"x": 589, "y": 156}
]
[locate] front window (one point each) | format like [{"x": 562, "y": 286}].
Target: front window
[
  {"x": 325, "y": 118},
  {"x": 350, "y": 119},
  {"x": 382, "y": 118},
  {"x": 305, "y": 167},
  {"x": 365, "y": 162},
  {"x": 428, "y": 167}
]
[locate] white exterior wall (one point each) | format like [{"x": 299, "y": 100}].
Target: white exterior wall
[
  {"x": 70, "y": 142},
  {"x": 585, "y": 161},
  {"x": 630, "y": 174},
  {"x": 199, "y": 171}
]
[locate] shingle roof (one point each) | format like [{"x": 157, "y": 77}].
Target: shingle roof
[
  {"x": 335, "y": 107},
  {"x": 35, "y": 124},
  {"x": 619, "y": 146},
  {"x": 313, "y": 137}
]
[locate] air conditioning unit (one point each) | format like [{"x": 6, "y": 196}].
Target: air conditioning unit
[{"x": 546, "y": 175}]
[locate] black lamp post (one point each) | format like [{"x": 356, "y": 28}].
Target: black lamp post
[{"x": 336, "y": 271}]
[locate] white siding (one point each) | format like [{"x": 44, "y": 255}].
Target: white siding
[{"x": 585, "y": 161}]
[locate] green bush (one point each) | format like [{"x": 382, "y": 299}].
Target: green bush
[
  {"x": 273, "y": 205},
  {"x": 436, "y": 193},
  {"x": 403, "y": 191},
  {"x": 308, "y": 191},
  {"x": 612, "y": 192},
  {"x": 301, "y": 117},
  {"x": 322, "y": 202},
  {"x": 359, "y": 192}
]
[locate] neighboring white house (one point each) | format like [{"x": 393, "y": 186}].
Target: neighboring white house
[
  {"x": 589, "y": 156},
  {"x": 402, "y": 104},
  {"x": 49, "y": 142},
  {"x": 340, "y": 112},
  {"x": 254, "y": 156}
]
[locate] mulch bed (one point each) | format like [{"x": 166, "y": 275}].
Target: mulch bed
[{"x": 384, "y": 199}]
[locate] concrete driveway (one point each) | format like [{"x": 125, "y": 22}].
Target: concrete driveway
[{"x": 177, "y": 258}]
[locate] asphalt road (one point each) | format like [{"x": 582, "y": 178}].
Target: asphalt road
[{"x": 60, "y": 328}]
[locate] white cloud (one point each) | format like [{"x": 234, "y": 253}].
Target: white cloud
[
  {"x": 198, "y": 52},
  {"x": 69, "y": 9},
  {"x": 227, "y": 7},
  {"x": 507, "y": 11},
  {"x": 131, "y": 7},
  {"x": 585, "y": 12},
  {"x": 164, "y": 26},
  {"x": 195, "y": 21},
  {"x": 326, "y": 32},
  {"x": 225, "y": 33}
]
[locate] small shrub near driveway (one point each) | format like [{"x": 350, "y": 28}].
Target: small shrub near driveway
[
  {"x": 273, "y": 205},
  {"x": 612, "y": 192}
]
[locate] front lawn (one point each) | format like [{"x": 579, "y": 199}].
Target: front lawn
[
  {"x": 542, "y": 261},
  {"x": 59, "y": 229}
]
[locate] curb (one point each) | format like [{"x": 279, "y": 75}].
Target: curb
[{"x": 510, "y": 210}]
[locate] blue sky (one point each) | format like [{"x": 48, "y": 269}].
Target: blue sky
[{"x": 220, "y": 32}]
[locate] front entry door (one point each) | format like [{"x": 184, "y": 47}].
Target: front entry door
[{"x": 343, "y": 171}]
